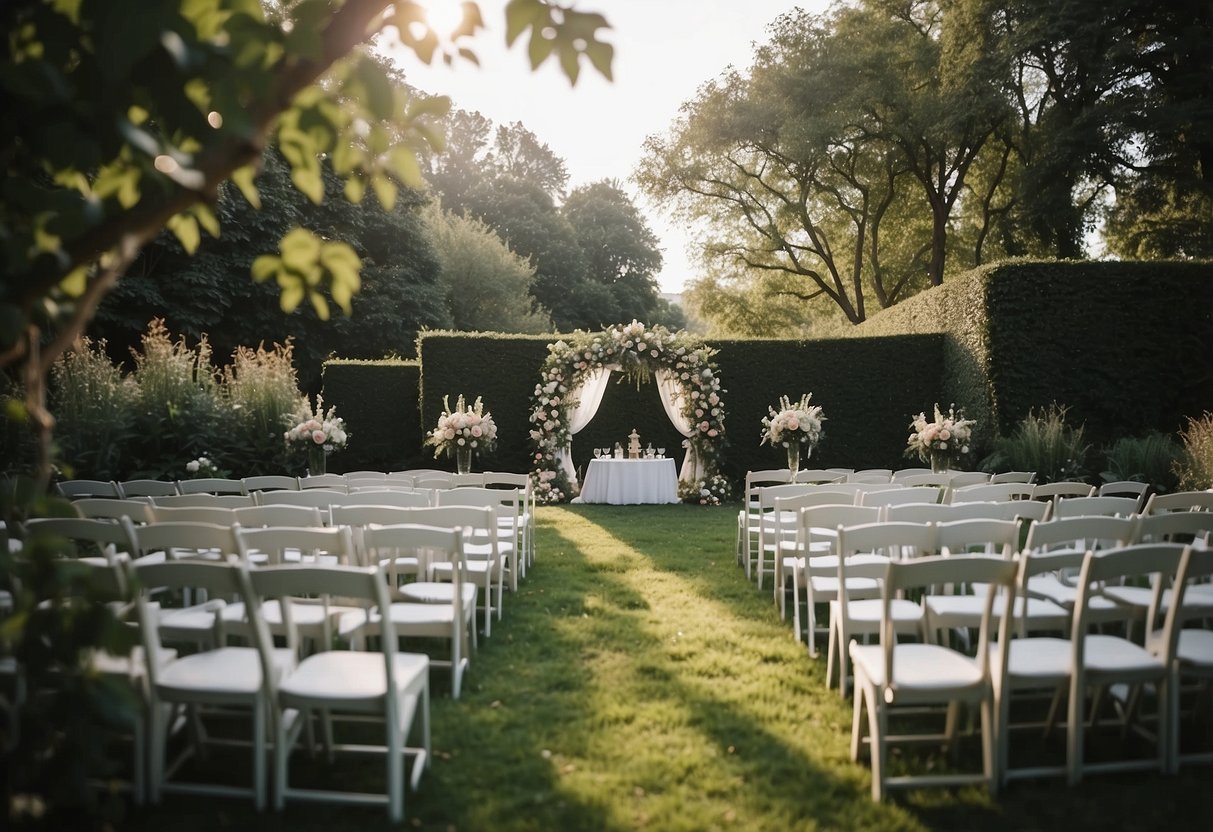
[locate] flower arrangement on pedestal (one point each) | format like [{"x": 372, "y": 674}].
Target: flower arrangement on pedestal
[
  {"x": 794, "y": 426},
  {"x": 710, "y": 491},
  {"x": 639, "y": 351},
  {"x": 461, "y": 431},
  {"x": 942, "y": 441},
  {"x": 319, "y": 433}
]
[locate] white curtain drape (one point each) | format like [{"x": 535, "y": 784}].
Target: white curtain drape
[
  {"x": 589, "y": 397},
  {"x": 672, "y": 399}
]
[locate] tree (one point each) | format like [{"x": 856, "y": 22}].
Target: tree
[
  {"x": 487, "y": 286},
  {"x": 621, "y": 252},
  {"x": 815, "y": 162},
  {"x": 125, "y": 117}
]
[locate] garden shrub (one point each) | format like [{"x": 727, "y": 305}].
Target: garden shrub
[
  {"x": 95, "y": 409},
  {"x": 1150, "y": 459},
  {"x": 379, "y": 401},
  {"x": 1195, "y": 466},
  {"x": 1043, "y": 442},
  {"x": 262, "y": 390}
]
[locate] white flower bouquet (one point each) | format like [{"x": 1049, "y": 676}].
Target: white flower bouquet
[
  {"x": 793, "y": 424},
  {"x": 463, "y": 427},
  {"x": 323, "y": 429},
  {"x": 942, "y": 440}
]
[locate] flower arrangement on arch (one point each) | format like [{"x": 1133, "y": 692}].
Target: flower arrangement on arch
[
  {"x": 796, "y": 423},
  {"x": 322, "y": 428},
  {"x": 639, "y": 351},
  {"x": 462, "y": 427},
  {"x": 943, "y": 439}
]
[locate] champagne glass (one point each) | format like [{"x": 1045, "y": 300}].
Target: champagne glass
[
  {"x": 661, "y": 453},
  {"x": 598, "y": 453}
]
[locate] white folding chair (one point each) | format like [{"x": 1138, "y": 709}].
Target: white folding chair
[
  {"x": 387, "y": 685},
  {"x": 426, "y": 608},
  {"x": 147, "y": 488},
  {"x": 1094, "y": 506},
  {"x": 899, "y": 496},
  {"x": 749, "y": 518},
  {"x": 74, "y": 489},
  {"x": 270, "y": 482},
  {"x": 990, "y": 492},
  {"x": 1067, "y": 488},
  {"x": 891, "y": 675},
  {"x": 228, "y": 677},
  {"x": 1180, "y": 501},
  {"x": 210, "y": 485}
]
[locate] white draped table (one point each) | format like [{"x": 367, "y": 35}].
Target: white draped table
[{"x": 623, "y": 482}]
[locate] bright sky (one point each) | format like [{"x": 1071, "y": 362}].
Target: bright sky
[{"x": 664, "y": 50}]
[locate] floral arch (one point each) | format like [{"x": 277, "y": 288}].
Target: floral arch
[{"x": 573, "y": 379}]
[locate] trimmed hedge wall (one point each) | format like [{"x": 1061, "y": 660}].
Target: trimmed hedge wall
[
  {"x": 869, "y": 388},
  {"x": 378, "y": 401},
  {"x": 1126, "y": 346}
]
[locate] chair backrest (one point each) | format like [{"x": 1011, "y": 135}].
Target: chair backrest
[
  {"x": 1157, "y": 562},
  {"x": 325, "y": 584},
  {"x": 1015, "y": 476},
  {"x": 1124, "y": 488},
  {"x": 823, "y": 521},
  {"x": 372, "y": 476},
  {"x": 919, "y": 480},
  {"x": 405, "y": 543},
  {"x": 147, "y": 488},
  {"x": 1081, "y": 533},
  {"x": 1180, "y": 501},
  {"x": 409, "y": 498},
  {"x": 899, "y": 496},
  {"x": 1172, "y": 527},
  {"x": 281, "y": 544},
  {"x": 270, "y": 482},
  {"x": 941, "y": 512},
  {"x": 472, "y": 478},
  {"x": 222, "y": 500},
  {"x": 437, "y": 480},
  {"x": 211, "y": 485},
  {"x": 401, "y": 477},
  {"x": 796, "y": 503},
  {"x": 906, "y": 576},
  {"x": 106, "y": 508},
  {"x": 334, "y": 482},
  {"x": 478, "y": 522},
  {"x": 320, "y": 498},
  {"x": 991, "y": 492},
  {"x": 964, "y": 479},
  {"x": 767, "y": 494},
  {"x": 77, "y": 537},
  {"x": 765, "y": 478},
  {"x": 871, "y": 475},
  {"x": 819, "y": 476},
  {"x": 194, "y": 514},
  {"x": 182, "y": 539},
  {"x": 902, "y": 474},
  {"x": 984, "y": 536},
  {"x": 251, "y": 517},
  {"x": 1087, "y": 506},
  {"x": 1053, "y": 490},
  {"x": 72, "y": 489},
  {"x": 892, "y": 540},
  {"x": 1024, "y": 510}
]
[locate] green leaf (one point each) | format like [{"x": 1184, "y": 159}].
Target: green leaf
[
  {"x": 521, "y": 15},
  {"x": 601, "y": 56},
  {"x": 379, "y": 95},
  {"x": 185, "y": 228},
  {"x": 291, "y": 296},
  {"x": 207, "y": 219},
  {"x": 265, "y": 267},
  {"x": 403, "y": 163},
  {"x": 76, "y": 282},
  {"x": 243, "y": 178},
  {"x": 300, "y": 249},
  {"x": 355, "y": 189},
  {"x": 385, "y": 191},
  {"x": 539, "y": 47},
  {"x": 309, "y": 179},
  {"x": 320, "y": 305}
]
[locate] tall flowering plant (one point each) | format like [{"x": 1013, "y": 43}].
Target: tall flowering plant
[
  {"x": 462, "y": 429},
  {"x": 319, "y": 432},
  {"x": 942, "y": 440}
]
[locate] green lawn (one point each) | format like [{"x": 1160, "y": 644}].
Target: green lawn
[{"x": 638, "y": 681}]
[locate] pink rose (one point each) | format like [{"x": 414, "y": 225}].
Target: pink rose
[
  {"x": 704, "y": 426},
  {"x": 318, "y": 436},
  {"x": 476, "y": 431},
  {"x": 713, "y": 432},
  {"x": 945, "y": 434},
  {"x": 449, "y": 433}
]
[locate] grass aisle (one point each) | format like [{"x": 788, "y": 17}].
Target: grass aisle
[{"x": 638, "y": 681}]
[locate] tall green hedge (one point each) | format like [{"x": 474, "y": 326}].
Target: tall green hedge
[
  {"x": 1125, "y": 345},
  {"x": 379, "y": 402}
]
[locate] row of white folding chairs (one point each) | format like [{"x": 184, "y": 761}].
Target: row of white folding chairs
[
  {"x": 353, "y": 602},
  {"x": 871, "y": 581},
  {"x": 815, "y": 538}
]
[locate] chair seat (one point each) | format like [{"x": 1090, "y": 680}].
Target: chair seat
[
  {"x": 1194, "y": 647},
  {"x": 1100, "y": 609},
  {"x": 188, "y": 622},
  {"x": 868, "y": 611},
  {"x": 1043, "y": 660},
  {"x": 825, "y": 585},
  {"x": 129, "y": 667},
  {"x": 231, "y": 673},
  {"x": 431, "y": 592},
  {"x": 1111, "y": 654},
  {"x": 348, "y": 679},
  {"x": 966, "y": 610},
  {"x": 918, "y": 668}
]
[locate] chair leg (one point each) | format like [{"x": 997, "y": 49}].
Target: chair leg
[
  {"x": 988, "y": 745},
  {"x": 395, "y": 768},
  {"x": 857, "y": 723},
  {"x": 259, "y": 753},
  {"x": 878, "y": 717},
  {"x": 1075, "y": 726}
]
